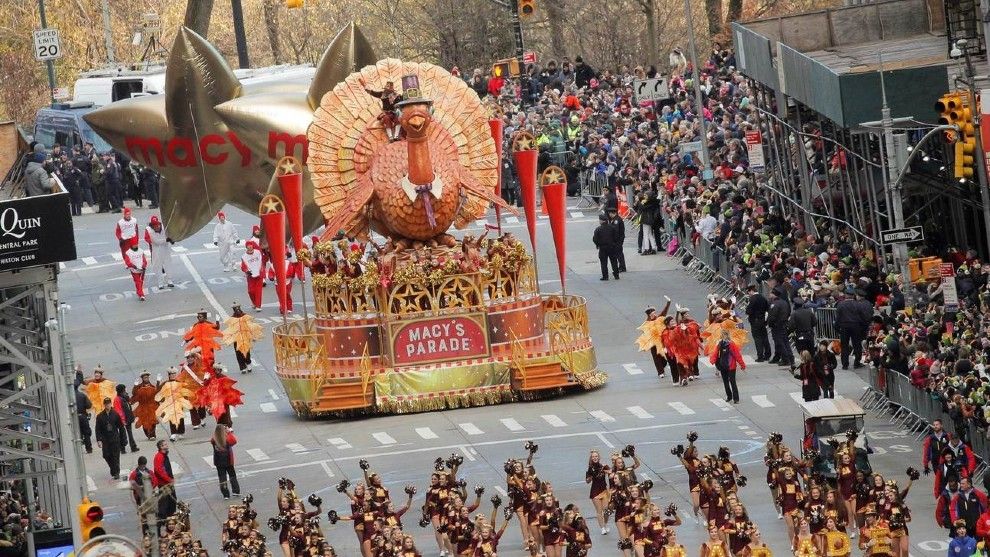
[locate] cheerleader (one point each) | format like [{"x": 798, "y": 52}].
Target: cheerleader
[
  {"x": 803, "y": 543},
  {"x": 578, "y": 537},
  {"x": 659, "y": 528},
  {"x": 597, "y": 476},
  {"x": 435, "y": 506},
  {"x": 897, "y": 516},
  {"x": 846, "y": 476},
  {"x": 863, "y": 492},
  {"x": 487, "y": 543},
  {"x": 737, "y": 528},
  {"x": 756, "y": 547},
  {"x": 837, "y": 542},
  {"x": 875, "y": 539},
  {"x": 689, "y": 459},
  {"x": 814, "y": 510},
  {"x": 713, "y": 498},
  {"x": 714, "y": 546},
  {"x": 728, "y": 469},
  {"x": 672, "y": 548},
  {"x": 791, "y": 497},
  {"x": 549, "y": 517},
  {"x": 408, "y": 548}
]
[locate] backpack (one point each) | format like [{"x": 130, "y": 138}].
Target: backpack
[{"x": 724, "y": 356}]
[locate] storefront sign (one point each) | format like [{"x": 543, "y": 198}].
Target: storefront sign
[
  {"x": 36, "y": 231},
  {"x": 439, "y": 339}
]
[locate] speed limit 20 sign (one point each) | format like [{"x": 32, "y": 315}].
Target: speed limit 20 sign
[{"x": 47, "y": 45}]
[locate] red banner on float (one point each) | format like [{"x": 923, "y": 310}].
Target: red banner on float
[
  {"x": 289, "y": 173},
  {"x": 497, "y": 128},
  {"x": 438, "y": 340},
  {"x": 526, "y": 169},
  {"x": 555, "y": 201},
  {"x": 272, "y": 213}
]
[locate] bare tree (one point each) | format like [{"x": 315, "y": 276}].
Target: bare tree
[
  {"x": 713, "y": 9},
  {"x": 198, "y": 13},
  {"x": 649, "y": 9},
  {"x": 271, "y": 27}
]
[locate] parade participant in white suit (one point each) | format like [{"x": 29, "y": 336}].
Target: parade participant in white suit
[
  {"x": 127, "y": 232},
  {"x": 161, "y": 251},
  {"x": 252, "y": 264},
  {"x": 136, "y": 263},
  {"x": 225, "y": 237}
]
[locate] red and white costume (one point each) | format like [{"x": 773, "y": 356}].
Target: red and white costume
[
  {"x": 252, "y": 264},
  {"x": 136, "y": 262},
  {"x": 285, "y": 306},
  {"x": 127, "y": 232},
  {"x": 161, "y": 251}
]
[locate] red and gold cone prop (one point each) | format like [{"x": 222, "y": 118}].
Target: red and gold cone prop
[
  {"x": 554, "y": 187},
  {"x": 289, "y": 173},
  {"x": 498, "y": 132},
  {"x": 272, "y": 213},
  {"x": 525, "y": 155}
]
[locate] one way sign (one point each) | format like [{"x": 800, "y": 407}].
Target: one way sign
[
  {"x": 895, "y": 235},
  {"x": 651, "y": 89}
]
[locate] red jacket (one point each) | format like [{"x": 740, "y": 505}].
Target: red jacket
[
  {"x": 735, "y": 357},
  {"x": 162, "y": 470},
  {"x": 983, "y": 526}
]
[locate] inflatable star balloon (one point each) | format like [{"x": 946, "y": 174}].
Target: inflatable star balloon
[{"x": 216, "y": 140}]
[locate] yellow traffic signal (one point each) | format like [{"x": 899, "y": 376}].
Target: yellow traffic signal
[
  {"x": 91, "y": 519},
  {"x": 527, "y": 7},
  {"x": 294, "y": 3},
  {"x": 506, "y": 68},
  {"x": 956, "y": 108}
]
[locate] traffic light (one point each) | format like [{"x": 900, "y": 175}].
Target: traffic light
[
  {"x": 956, "y": 108},
  {"x": 506, "y": 68},
  {"x": 294, "y": 3},
  {"x": 527, "y": 7},
  {"x": 91, "y": 519}
]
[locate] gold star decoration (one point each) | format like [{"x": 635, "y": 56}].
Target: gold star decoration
[
  {"x": 270, "y": 204},
  {"x": 288, "y": 166},
  {"x": 553, "y": 175},
  {"x": 215, "y": 140},
  {"x": 523, "y": 141}
]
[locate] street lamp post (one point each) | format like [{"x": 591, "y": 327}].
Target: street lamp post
[{"x": 706, "y": 172}]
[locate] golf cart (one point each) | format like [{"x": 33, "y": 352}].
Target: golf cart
[{"x": 833, "y": 419}]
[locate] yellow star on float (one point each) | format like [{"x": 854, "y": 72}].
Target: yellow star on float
[
  {"x": 553, "y": 175},
  {"x": 288, "y": 165},
  {"x": 270, "y": 204}
]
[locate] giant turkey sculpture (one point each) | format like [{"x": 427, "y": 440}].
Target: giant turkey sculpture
[{"x": 440, "y": 173}]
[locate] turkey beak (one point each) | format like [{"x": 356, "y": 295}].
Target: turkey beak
[{"x": 417, "y": 122}]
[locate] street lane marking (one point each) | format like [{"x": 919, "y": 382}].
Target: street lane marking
[
  {"x": 257, "y": 454},
  {"x": 639, "y": 412},
  {"x": 606, "y": 442},
  {"x": 273, "y": 394},
  {"x": 576, "y": 214},
  {"x": 281, "y": 467},
  {"x": 383, "y": 438},
  {"x": 221, "y": 312},
  {"x": 467, "y": 454},
  {"x": 501, "y": 491},
  {"x": 117, "y": 256},
  {"x": 61, "y": 266},
  {"x": 268, "y": 407},
  {"x": 209, "y": 461},
  {"x": 512, "y": 220},
  {"x": 601, "y": 416},
  {"x": 339, "y": 443},
  {"x": 180, "y": 249},
  {"x": 209, "y": 245},
  {"x": 295, "y": 447},
  {"x": 426, "y": 433},
  {"x": 553, "y": 420},
  {"x": 89, "y": 260},
  {"x": 762, "y": 401},
  {"x": 796, "y": 395},
  {"x": 176, "y": 469},
  {"x": 326, "y": 468},
  {"x": 470, "y": 428},
  {"x": 632, "y": 369},
  {"x": 90, "y": 484},
  {"x": 681, "y": 408},
  {"x": 511, "y": 424},
  {"x": 724, "y": 406},
  {"x": 749, "y": 359}
]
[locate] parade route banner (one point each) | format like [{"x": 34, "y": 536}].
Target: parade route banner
[
  {"x": 949, "y": 294},
  {"x": 36, "y": 231},
  {"x": 754, "y": 149}
]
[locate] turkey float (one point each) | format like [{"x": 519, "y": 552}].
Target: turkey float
[{"x": 428, "y": 320}]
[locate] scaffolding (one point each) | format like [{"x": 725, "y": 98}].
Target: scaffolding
[{"x": 37, "y": 440}]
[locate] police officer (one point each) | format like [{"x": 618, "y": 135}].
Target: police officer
[
  {"x": 756, "y": 314},
  {"x": 605, "y": 240}
]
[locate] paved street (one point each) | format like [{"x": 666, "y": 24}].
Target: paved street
[{"x": 109, "y": 326}]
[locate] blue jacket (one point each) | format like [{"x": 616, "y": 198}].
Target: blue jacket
[{"x": 962, "y": 547}]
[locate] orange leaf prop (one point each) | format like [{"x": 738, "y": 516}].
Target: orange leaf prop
[
  {"x": 146, "y": 409},
  {"x": 96, "y": 391},
  {"x": 650, "y": 337},
  {"x": 173, "y": 402},
  {"x": 204, "y": 336},
  {"x": 685, "y": 341},
  {"x": 713, "y": 334},
  {"x": 243, "y": 331},
  {"x": 217, "y": 394}
]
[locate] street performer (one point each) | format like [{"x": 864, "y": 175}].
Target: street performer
[
  {"x": 137, "y": 263},
  {"x": 161, "y": 251},
  {"x": 253, "y": 266},
  {"x": 126, "y": 232},
  {"x": 651, "y": 338}
]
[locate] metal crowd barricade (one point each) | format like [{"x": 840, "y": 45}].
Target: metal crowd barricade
[
  {"x": 560, "y": 158},
  {"x": 826, "y": 328},
  {"x": 592, "y": 184}
]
